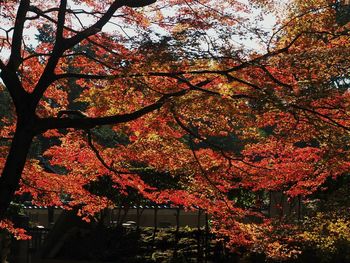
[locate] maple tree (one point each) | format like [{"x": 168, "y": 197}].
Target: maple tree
[{"x": 117, "y": 88}]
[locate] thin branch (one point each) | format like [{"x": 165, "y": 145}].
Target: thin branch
[
  {"x": 176, "y": 74},
  {"x": 211, "y": 144},
  {"x": 26, "y": 183},
  {"x": 206, "y": 176},
  {"x": 273, "y": 78},
  {"x": 90, "y": 142},
  {"x": 320, "y": 115},
  {"x": 37, "y": 55},
  {"x": 291, "y": 22},
  {"x": 79, "y": 20},
  {"x": 100, "y": 158},
  {"x": 40, "y": 13}
]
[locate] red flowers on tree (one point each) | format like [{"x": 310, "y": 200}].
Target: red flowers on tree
[{"x": 117, "y": 88}]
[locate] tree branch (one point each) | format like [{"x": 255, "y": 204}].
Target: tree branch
[
  {"x": 2, "y": 65},
  {"x": 322, "y": 117},
  {"x": 95, "y": 28},
  {"x": 14, "y": 86},
  {"x": 62, "y": 45},
  {"x": 176, "y": 74},
  {"x": 26, "y": 183},
  {"x": 42, "y": 13},
  {"x": 91, "y": 122},
  {"x": 60, "y": 21},
  {"x": 273, "y": 78},
  {"x": 15, "y": 57},
  {"x": 204, "y": 174},
  {"x": 139, "y": 3},
  {"x": 215, "y": 146},
  {"x": 100, "y": 158}
]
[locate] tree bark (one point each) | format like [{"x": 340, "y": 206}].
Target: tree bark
[
  {"x": 199, "y": 237},
  {"x": 5, "y": 244},
  {"x": 14, "y": 165},
  {"x": 155, "y": 223},
  {"x": 207, "y": 245},
  {"x": 177, "y": 230}
]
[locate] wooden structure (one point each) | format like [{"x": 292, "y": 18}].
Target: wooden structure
[{"x": 143, "y": 215}]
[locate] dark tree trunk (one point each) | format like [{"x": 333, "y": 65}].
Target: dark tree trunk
[
  {"x": 119, "y": 215},
  {"x": 177, "y": 230},
  {"x": 155, "y": 223},
  {"x": 178, "y": 210},
  {"x": 139, "y": 213},
  {"x": 5, "y": 245},
  {"x": 199, "y": 237},
  {"x": 50, "y": 215},
  {"x": 299, "y": 208},
  {"x": 14, "y": 165},
  {"x": 207, "y": 245}
]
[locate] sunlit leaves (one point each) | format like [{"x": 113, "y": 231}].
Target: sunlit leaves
[{"x": 17, "y": 233}]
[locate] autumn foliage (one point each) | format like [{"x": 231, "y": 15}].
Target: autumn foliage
[{"x": 122, "y": 88}]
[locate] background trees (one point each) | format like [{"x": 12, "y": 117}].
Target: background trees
[{"x": 177, "y": 90}]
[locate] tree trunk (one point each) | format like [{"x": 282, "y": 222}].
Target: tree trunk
[
  {"x": 14, "y": 165},
  {"x": 207, "y": 245},
  {"x": 139, "y": 213},
  {"x": 118, "y": 216},
  {"x": 5, "y": 243},
  {"x": 177, "y": 230},
  {"x": 299, "y": 208},
  {"x": 199, "y": 237},
  {"x": 155, "y": 223},
  {"x": 178, "y": 210},
  {"x": 50, "y": 216}
]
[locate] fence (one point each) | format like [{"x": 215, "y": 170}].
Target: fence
[{"x": 26, "y": 251}]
